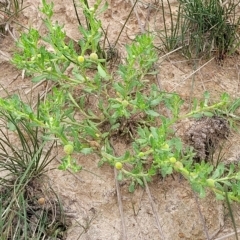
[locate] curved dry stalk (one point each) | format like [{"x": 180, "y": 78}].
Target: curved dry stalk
[
  {"x": 231, "y": 213},
  {"x": 116, "y": 41},
  {"x": 76, "y": 13},
  {"x": 191, "y": 74},
  {"x": 120, "y": 206},
  {"x": 227, "y": 235},
  {"x": 141, "y": 26},
  {"x": 154, "y": 209}
]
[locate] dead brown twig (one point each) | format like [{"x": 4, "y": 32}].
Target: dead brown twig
[{"x": 154, "y": 209}]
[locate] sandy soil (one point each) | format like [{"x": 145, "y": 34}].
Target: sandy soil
[{"x": 92, "y": 198}]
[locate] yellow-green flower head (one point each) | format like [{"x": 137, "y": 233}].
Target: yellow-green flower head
[
  {"x": 93, "y": 56},
  {"x": 81, "y": 59}
]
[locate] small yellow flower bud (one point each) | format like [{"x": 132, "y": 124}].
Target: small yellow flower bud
[{"x": 81, "y": 59}]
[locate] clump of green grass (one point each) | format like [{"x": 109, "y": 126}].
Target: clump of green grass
[
  {"x": 203, "y": 28},
  {"x": 174, "y": 27},
  {"x": 26, "y": 213}
]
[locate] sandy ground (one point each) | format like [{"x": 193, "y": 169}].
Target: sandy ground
[{"x": 92, "y": 198}]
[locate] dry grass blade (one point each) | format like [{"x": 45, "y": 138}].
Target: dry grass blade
[
  {"x": 116, "y": 41},
  {"x": 231, "y": 213},
  {"x": 190, "y": 75},
  {"x": 227, "y": 236},
  {"x": 120, "y": 206},
  {"x": 154, "y": 209}
]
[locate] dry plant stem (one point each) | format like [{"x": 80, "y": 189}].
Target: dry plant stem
[
  {"x": 138, "y": 19},
  {"x": 35, "y": 86},
  {"x": 44, "y": 94},
  {"x": 203, "y": 85},
  {"x": 238, "y": 71},
  {"x": 216, "y": 233},
  {"x": 191, "y": 74},
  {"x": 231, "y": 212},
  {"x": 150, "y": 8},
  {"x": 158, "y": 83},
  {"x": 5, "y": 55},
  {"x": 154, "y": 209},
  {"x": 201, "y": 217},
  {"x": 76, "y": 13},
  {"x": 169, "y": 53},
  {"x": 120, "y": 206},
  {"x": 14, "y": 79},
  {"x": 12, "y": 34},
  {"x": 192, "y": 86},
  {"x": 124, "y": 24},
  {"x": 157, "y": 77},
  {"x": 226, "y": 236}
]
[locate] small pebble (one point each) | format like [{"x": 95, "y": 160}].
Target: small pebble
[{"x": 41, "y": 201}]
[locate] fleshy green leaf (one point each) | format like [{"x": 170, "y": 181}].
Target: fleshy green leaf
[
  {"x": 131, "y": 187},
  {"x": 39, "y": 78},
  {"x": 120, "y": 176},
  {"x": 152, "y": 113},
  {"x": 102, "y": 72},
  {"x": 86, "y": 151}
]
